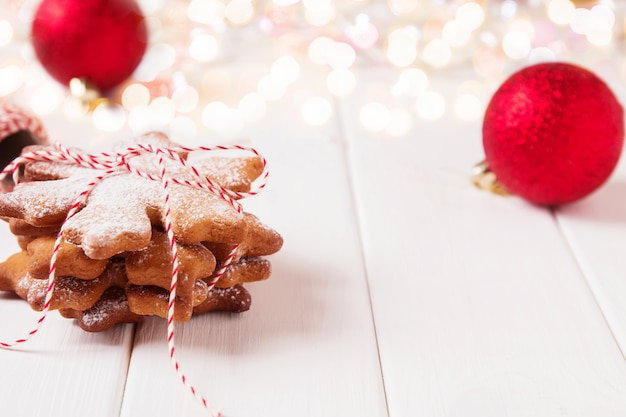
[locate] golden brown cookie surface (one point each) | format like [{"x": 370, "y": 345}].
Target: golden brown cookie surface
[
  {"x": 109, "y": 310},
  {"x": 71, "y": 260},
  {"x": 259, "y": 240},
  {"x": 153, "y": 265},
  {"x": 13, "y": 274}
]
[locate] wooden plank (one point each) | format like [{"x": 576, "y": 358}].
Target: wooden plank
[
  {"x": 479, "y": 306},
  {"x": 595, "y": 227},
  {"x": 307, "y": 346},
  {"x": 62, "y": 370}
]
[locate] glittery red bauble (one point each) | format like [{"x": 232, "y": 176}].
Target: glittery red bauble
[
  {"x": 553, "y": 133},
  {"x": 102, "y": 41}
]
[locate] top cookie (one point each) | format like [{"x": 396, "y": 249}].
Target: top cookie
[{"x": 121, "y": 210}]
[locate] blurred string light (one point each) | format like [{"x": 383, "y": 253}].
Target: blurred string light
[
  {"x": 6, "y": 32},
  {"x": 220, "y": 65}
]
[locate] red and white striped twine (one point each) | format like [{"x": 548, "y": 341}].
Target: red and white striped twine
[
  {"x": 14, "y": 119},
  {"x": 108, "y": 164}
]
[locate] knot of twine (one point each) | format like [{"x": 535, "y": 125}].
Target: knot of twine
[{"x": 107, "y": 164}]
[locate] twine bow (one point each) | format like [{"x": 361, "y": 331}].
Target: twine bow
[{"x": 107, "y": 164}]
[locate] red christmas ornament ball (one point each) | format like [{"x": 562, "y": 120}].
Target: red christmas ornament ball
[
  {"x": 553, "y": 133},
  {"x": 102, "y": 41}
]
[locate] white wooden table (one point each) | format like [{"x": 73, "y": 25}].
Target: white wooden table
[{"x": 401, "y": 291}]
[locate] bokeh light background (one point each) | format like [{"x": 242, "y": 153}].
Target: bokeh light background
[{"x": 219, "y": 66}]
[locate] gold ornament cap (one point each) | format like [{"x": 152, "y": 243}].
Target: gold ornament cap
[{"x": 485, "y": 179}]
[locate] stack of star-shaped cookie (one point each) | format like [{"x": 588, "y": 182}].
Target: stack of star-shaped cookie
[{"x": 115, "y": 261}]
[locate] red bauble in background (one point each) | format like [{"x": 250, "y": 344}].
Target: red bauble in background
[
  {"x": 101, "y": 41},
  {"x": 553, "y": 133}
]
